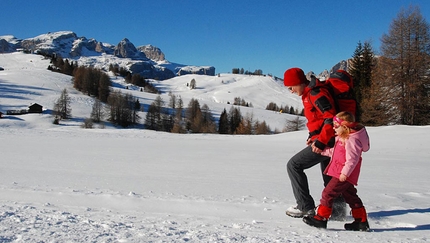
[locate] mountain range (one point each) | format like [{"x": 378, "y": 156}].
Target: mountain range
[{"x": 148, "y": 60}]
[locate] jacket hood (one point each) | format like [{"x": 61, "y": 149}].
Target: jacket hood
[{"x": 363, "y": 137}]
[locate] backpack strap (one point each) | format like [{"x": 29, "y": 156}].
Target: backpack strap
[{"x": 330, "y": 91}]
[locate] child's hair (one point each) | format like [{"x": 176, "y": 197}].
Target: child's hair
[{"x": 347, "y": 121}]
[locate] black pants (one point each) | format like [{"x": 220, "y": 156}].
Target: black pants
[{"x": 303, "y": 160}]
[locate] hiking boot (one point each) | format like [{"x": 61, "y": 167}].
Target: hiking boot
[
  {"x": 294, "y": 212},
  {"x": 360, "y": 220},
  {"x": 357, "y": 225},
  {"x": 316, "y": 221}
]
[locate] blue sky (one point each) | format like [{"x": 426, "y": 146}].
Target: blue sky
[{"x": 268, "y": 35}]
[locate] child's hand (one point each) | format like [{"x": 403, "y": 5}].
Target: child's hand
[
  {"x": 315, "y": 149},
  {"x": 342, "y": 177}
]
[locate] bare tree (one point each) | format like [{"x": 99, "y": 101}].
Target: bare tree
[
  {"x": 246, "y": 125},
  {"x": 261, "y": 128},
  {"x": 97, "y": 113},
  {"x": 62, "y": 106},
  {"x": 155, "y": 115},
  {"x": 406, "y": 52},
  {"x": 193, "y": 84},
  {"x": 209, "y": 125},
  {"x": 193, "y": 115},
  {"x": 121, "y": 109},
  {"x": 295, "y": 124}
]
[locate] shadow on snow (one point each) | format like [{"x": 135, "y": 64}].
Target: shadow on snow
[{"x": 382, "y": 214}]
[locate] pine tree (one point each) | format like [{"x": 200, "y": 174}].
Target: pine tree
[
  {"x": 361, "y": 71},
  {"x": 136, "y": 109},
  {"x": 355, "y": 69},
  {"x": 223, "y": 125},
  {"x": 234, "y": 119}
]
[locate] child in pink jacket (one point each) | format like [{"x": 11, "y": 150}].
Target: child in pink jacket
[{"x": 344, "y": 168}]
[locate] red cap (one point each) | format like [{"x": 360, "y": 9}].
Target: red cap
[{"x": 294, "y": 76}]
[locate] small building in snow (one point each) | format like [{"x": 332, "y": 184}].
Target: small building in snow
[{"x": 35, "y": 108}]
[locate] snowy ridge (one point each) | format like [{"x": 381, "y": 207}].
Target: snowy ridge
[
  {"x": 68, "y": 184},
  {"x": 68, "y": 45}
]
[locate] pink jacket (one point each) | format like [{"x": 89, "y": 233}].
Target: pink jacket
[{"x": 346, "y": 156}]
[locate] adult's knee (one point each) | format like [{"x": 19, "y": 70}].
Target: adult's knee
[{"x": 292, "y": 165}]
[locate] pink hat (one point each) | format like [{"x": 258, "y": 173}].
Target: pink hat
[{"x": 294, "y": 76}]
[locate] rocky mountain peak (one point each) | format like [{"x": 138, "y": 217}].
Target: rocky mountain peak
[
  {"x": 148, "y": 61},
  {"x": 126, "y": 49},
  {"x": 152, "y": 52}
]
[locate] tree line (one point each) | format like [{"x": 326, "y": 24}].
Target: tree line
[
  {"x": 394, "y": 86},
  {"x": 258, "y": 72},
  {"x": 196, "y": 118}
]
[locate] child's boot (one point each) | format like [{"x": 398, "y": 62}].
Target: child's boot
[
  {"x": 360, "y": 220},
  {"x": 319, "y": 220}
]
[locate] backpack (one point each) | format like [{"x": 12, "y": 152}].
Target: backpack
[{"x": 340, "y": 85}]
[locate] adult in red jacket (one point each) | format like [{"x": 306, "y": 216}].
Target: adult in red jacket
[{"x": 319, "y": 109}]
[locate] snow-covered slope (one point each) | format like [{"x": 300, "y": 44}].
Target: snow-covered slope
[
  {"x": 67, "y": 184},
  {"x": 26, "y": 80}
]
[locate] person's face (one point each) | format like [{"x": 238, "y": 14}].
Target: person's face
[
  {"x": 297, "y": 89},
  {"x": 338, "y": 129}
]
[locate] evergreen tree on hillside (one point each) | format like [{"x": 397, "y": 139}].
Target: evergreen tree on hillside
[
  {"x": 136, "y": 109},
  {"x": 361, "y": 71},
  {"x": 234, "y": 119},
  {"x": 223, "y": 125}
]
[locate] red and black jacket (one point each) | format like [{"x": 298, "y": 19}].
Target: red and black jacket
[{"x": 319, "y": 109}]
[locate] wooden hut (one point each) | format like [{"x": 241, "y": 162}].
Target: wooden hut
[{"x": 35, "y": 108}]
